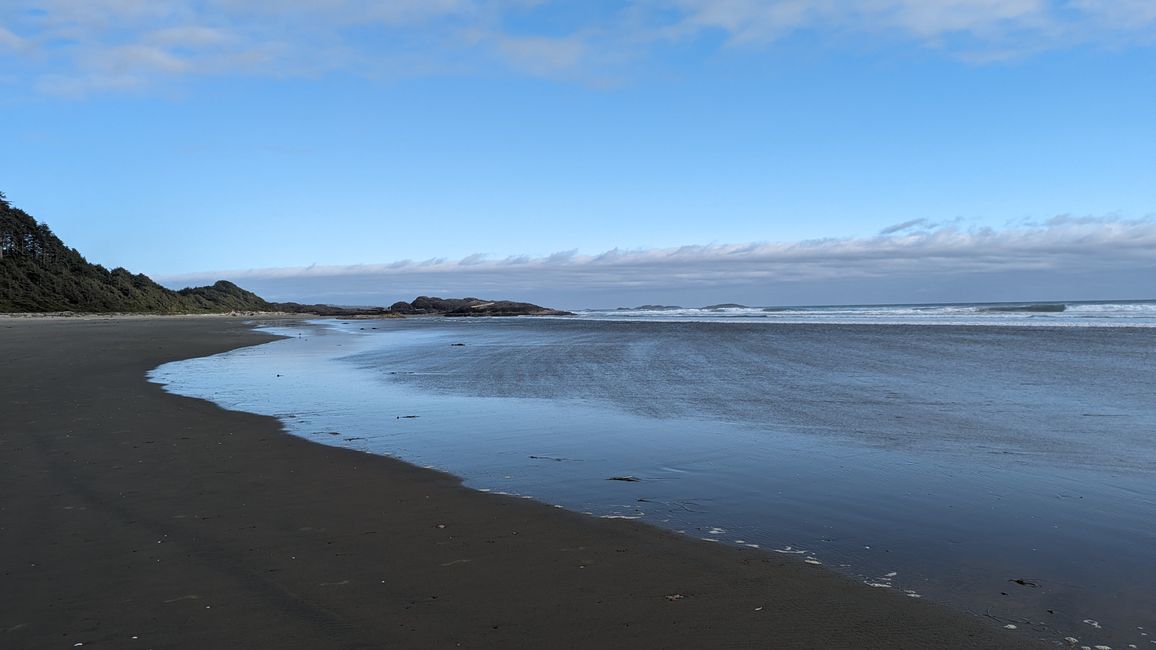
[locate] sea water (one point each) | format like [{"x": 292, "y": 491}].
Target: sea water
[{"x": 1002, "y": 462}]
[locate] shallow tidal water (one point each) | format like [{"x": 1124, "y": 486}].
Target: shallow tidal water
[{"x": 1008, "y": 471}]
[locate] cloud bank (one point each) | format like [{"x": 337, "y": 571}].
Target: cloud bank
[
  {"x": 75, "y": 48},
  {"x": 916, "y": 261}
]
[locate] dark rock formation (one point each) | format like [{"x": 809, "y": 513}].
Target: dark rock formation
[
  {"x": 434, "y": 305},
  {"x": 505, "y": 308},
  {"x": 473, "y": 307}
]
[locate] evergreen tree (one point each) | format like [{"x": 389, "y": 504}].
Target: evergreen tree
[{"x": 38, "y": 273}]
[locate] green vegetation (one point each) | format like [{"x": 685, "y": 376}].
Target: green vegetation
[{"x": 38, "y": 273}]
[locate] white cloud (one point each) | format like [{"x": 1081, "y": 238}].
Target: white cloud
[
  {"x": 61, "y": 38},
  {"x": 906, "y": 225},
  {"x": 745, "y": 20},
  {"x": 542, "y": 55},
  {"x": 80, "y": 86},
  {"x": 973, "y": 30},
  {"x": 82, "y": 20},
  {"x": 927, "y": 21},
  {"x": 189, "y": 36},
  {"x": 77, "y": 47},
  {"x": 395, "y": 12},
  {"x": 11, "y": 41},
  {"x": 932, "y": 18},
  {"x": 143, "y": 58},
  {"x": 914, "y": 251},
  {"x": 1125, "y": 15}
]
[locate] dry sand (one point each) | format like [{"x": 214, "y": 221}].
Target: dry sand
[{"x": 131, "y": 518}]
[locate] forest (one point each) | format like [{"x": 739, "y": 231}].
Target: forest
[{"x": 39, "y": 273}]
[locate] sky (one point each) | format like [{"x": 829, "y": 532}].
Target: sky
[{"x": 594, "y": 153}]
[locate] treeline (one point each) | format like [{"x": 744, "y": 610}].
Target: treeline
[{"x": 38, "y": 273}]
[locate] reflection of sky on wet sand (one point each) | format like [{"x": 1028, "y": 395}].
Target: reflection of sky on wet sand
[{"x": 944, "y": 462}]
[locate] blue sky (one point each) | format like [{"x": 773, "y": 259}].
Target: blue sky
[{"x": 360, "y": 151}]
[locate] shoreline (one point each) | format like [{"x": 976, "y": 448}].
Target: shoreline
[
  {"x": 91, "y": 315},
  {"x": 132, "y": 512}
]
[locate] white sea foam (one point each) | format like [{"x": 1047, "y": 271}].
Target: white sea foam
[{"x": 1073, "y": 314}]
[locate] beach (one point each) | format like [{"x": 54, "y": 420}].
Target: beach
[{"x": 137, "y": 518}]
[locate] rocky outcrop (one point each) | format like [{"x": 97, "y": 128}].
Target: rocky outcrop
[
  {"x": 506, "y": 308},
  {"x": 472, "y": 307},
  {"x": 434, "y": 305}
]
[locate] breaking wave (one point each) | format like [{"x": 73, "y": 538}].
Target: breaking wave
[{"x": 1052, "y": 314}]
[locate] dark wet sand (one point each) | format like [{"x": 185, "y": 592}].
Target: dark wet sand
[{"x": 131, "y": 518}]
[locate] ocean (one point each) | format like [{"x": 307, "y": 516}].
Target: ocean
[{"x": 999, "y": 459}]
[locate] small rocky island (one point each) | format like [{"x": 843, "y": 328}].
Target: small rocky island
[{"x": 426, "y": 305}]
